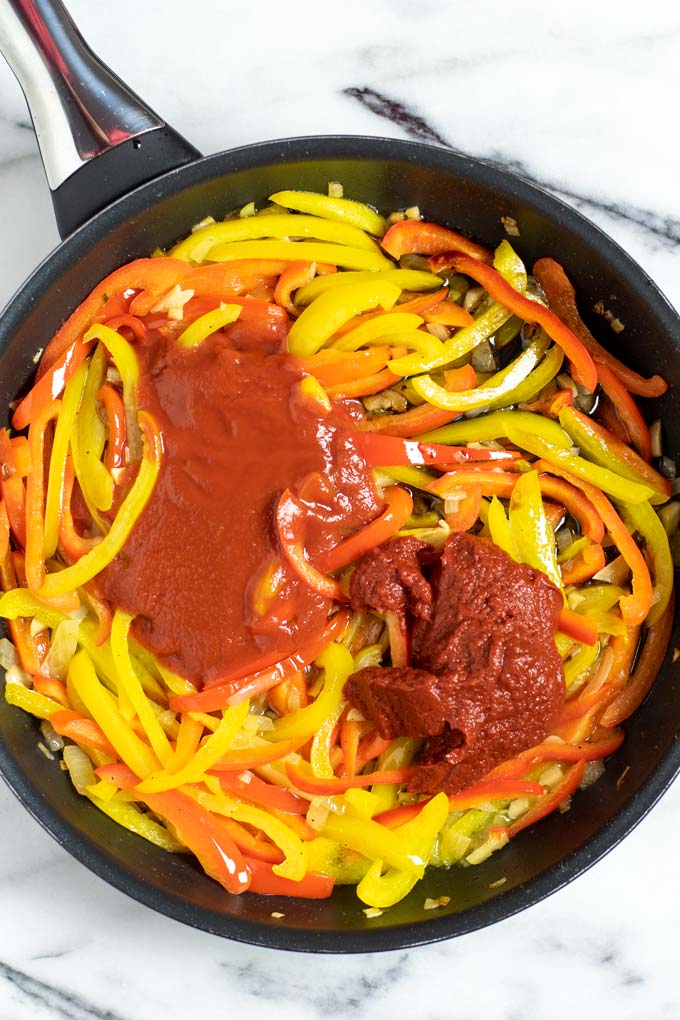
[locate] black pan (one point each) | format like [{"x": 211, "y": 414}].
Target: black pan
[{"x": 107, "y": 145}]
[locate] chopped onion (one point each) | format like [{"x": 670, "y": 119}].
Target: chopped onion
[
  {"x": 551, "y": 776},
  {"x": 591, "y": 773},
  {"x": 16, "y": 675},
  {"x": 655, "y": 438},
  {"x": 668, "y": 468},
  {"x": 62, "y": 649},
  {"x": 473, "y": 299},
  {"x": 517, "y": 807},
  {"x": 8, "y": 654},
  {"x": 247, "y": 210},
  {"x": 317, "y": 814},
  {"x": 335, "y": 189},
  {"x": 54, "y": 740},
  {"x": 207, "y": 221},
  {"x": 436, "y": 329},
  {"x": 616, "y": 572},
  {"x": 37, "y": 627},
  {"x": 670, "y": 516},
  {"x": 412, "y": 213},
  {"x": 79, "y": 768}
]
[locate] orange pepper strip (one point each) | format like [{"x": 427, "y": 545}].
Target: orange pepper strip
[
  {"x": 296, "y": 274},
  {"x": 226, "y": 279},
  {"x": 250, "y": 787},
  {"x": 370, "y": 748},
  {"x": 50, "y": 385},
  {"x": 350, "y": 734},
  {"x": 562, "y": 299},
  {"x": 581, "y": 628},
  {"x": 4, "y": 531},
  {"x": 426, "y": 417},
  {"x": 399, "y": 505},
  {"x": 187, "y": 743},
  {"x": 200, "y": 831},
  {"x": 73, "y": 544},
  {"x": 466, "y": 513},
  {"x": 35, "y": 497},
  {"x": 103, "y": 610},
  {"x": 289, "y": 694},
  {"x": 22, "y": 455},
  {"x": 635, "y": 607},
  {"x": 82, "y": 731},
  {"x": 421, "y": 304},
  {"x": 477, "y": 793},
  {"x": 13, "y": 488},
  {"x": 578, "y": 505},
  {"x": 115, "y": 418},
  {"x": 587, "y": 563},
  {"x": 255, "y": 757},
  {"x": 547, "y": 804},
  {"x": 52, "y": 688},
  {"x": 558, "y": 750},
  {"x": 365, "y": 387},
  {"x": 118, "y": 304},
  {"x": 19, "y": 629},
  {"x": 448, "y": 313},
  {"x": 583, "y": 367},
  {"x": 135, "y": 325},
  {"x": 550, "y": 402},
  {"x": 416, "y": 236},
  {"x": 627, "y": 410},
  {"x": 334, "y": 368},
  {"x": 380, "y": 450},
  {"x": 156, "y": 274},
  {"x": 491, "y": 482},
  {"x": 289, "y": 524},
  {"x": 264, "y": 881},
  {"x": 649, "y": 664},
  {"x": 322, "y": 787},
  {"x": 251, "y": 846}
]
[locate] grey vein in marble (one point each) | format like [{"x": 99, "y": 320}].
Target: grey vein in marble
[
  {"x": 415, "y": 125},
  {"x": 58, "y": 1002}
]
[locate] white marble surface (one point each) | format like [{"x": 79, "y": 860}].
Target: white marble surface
[{"x": 582, "y": 98}]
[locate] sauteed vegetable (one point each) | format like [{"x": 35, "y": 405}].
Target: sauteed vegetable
[{"x": 332, "y": 548}]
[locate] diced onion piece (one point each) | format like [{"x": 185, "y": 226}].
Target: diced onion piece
[
  {"x": 79, "y": 768},
  {"x": 62, "y": 649},
  {"x": 8, "y": 654}
]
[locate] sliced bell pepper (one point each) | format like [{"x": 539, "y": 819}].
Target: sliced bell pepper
[
  {"x": 581, "y": 628},
  {"x": 425, "y": 417},
  {"x": 399, "y": 505},
  {"x": 551, "y": 801},
  {"x": 627, "y": 410},
  {"x": 266, "y": 883},
  {"x": 131, "y": 818},
  {"x": 419, "y": 237},
  {"x": 327, "y": 786},
  {"x": 333, "y": 309},
  {"x": 50, "y": 384},
  {"x": 262, "y": 754},
  {"x": 247, "y": 785},
  {"x": 51, "y": 688},
  {"x": 209, "y": 323},
  {"x": 30, "y": 701},
  {"x": 379, "y": 329},
  {"x": 562, "y": 300},
  {"x": 56, "y": 485},
  {"x": 448, "y": 313},
  {"x": 588, "y": 562},
  {"x": 338, "y": 665},
  {"x": 405, "y": 279},
  {"x": 643, "y": 519},
  {"x": 35, "y": 497},
  {"x": 490, "y": 789},
  {"x": 492, "y": 426},
  {"x": 391, "y": 451},
  {"x": 331, "y": 366},
  {"x": 82, "y": 731},
  {"x": 116, "y": 436},
  {"x": 534, "y": 539},
  {"x": 467, "y": 510},
  {"x": 294, "y": 276},
  {"x": 583, "y": 367},
  {"x": 290, "y": 251},
  {"x": 341, "y": 210},
  {"x": 500, "y": 530},
  {"x": 365, "y": 387},
  {"x": 131, "y": 322},
  {"x": 13, "y": 489}
]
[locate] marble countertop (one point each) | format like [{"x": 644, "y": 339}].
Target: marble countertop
[{"x": 577, "y": 97}]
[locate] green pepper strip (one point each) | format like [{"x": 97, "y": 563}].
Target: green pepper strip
[
  {"x": 534, "y": 538},
  {"x": 487, "y": 427},
  {"x": 501, "y": 387},
  {"x": 341, "y": 210},
  {"x": 330, "y": 311},
  {"x": 620, "y": 488},
  {"x": 500, "y": 530},
  {"x": 642, "y": 518},
  {"x": 94, "y": 561}
]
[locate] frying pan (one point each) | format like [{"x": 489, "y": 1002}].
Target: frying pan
[{"x": 123, "y": 183}]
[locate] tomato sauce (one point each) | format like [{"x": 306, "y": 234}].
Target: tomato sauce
[{"x": 200, "y": 563}]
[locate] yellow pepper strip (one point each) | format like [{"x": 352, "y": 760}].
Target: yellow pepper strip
[
  {"x": 500, "y": 530},
  {"x": 501, "y": 386},
  {"x": 328, "y": 313},
  {"x": 363, "y": 803},
  {"x": 94, "y": 561},
  {"x": 573, "y": 549},
  {"x": 533, "y": 535},
  {"x": 129, "y": 682},
  {"x": 88, "y": 440},
  {"x": 378, "y": 890},
  {"x": 488, "y": 427},
  {"x": 596, "y": 598},
  {"x": 209, "y": 323},
  {"x": 611, "y": 623},
  {"x": 417, "y": 478},
  {"x": 214, "y": 748},
  {"x": 405, "y": 279},
  {"x": 644, "y": 519},
  {"x": 319, "y": 755},
  {"x": 507, "y": 262},
  {"x": 579, "y": 662},
  {"x": 103, "y": 790},
  {"x": 338, "y": 665},
  {"x": 148, "y": 668},
  {"x": 326, "y": 857},
  {"x": 375, "y": 330},
  {"x": 310, "y": 251},
  {"x": 421, "y": 342},
  {"x": 289, "y": 843},
  {"x": 623, "y": 489},
  {"x": 20, "y": 602},
  {"x": 277, "y": 225},
  {"x": 101, "y": 707},
  {"x": 60, "y": 444},
  {"x": 134, "y": 820},
  {"x": 342, "y": 210},
  {"x": 31, "y": 701}
]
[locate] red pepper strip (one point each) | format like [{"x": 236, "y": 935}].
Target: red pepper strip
[
  {"x": 200, "y": 831},
  {"x": 635, "y": 607},
  {"x": 82, "y": 731},
  {"x": 13, "y": 489},
  {"x": 399, "y": 505},
  {"x": 644, "y": 471},
  {"x": 35, "y": 497},
  {"x": 421, "y": 304},
  {"x": 332, "y": 368},
  {"x": 414, "y": 236},
  {"x": 649, "y": 664},
  {"x": 448, "y": 313},
  {"x": 264, "y": 881},
  {"x": 115, "y": 418},
  {"x": 581, "y": 628},
  {"x": 158, "y": 275},
  {"x": 466, "y": 513},
  {"x": 587, "y": 563},
  {"x": 251, "y": 787},
  {"x": 578, "y": 505},
  {"x": 550, "y": 401},
  {"x": 583, "y": 367},
  {"x": 479, "y": 793},
  {"x": 370, "y": 748},
  {"x": 251, "y": 846},
  {"x": 492, "y": 483},
  {"x": 426, "y": 417},
  {"x": 52, "y": 688},
  {"x": 557, "y": 750},
  {"x": 562, "y": 300},
  {"x": 4, "y": 531},
  {"x": 135, "y": 325},
  {"x": 607, "y": 416},
  {"x": 547, "y": 804},
  {"x": 213, "y": 698},
  {"x": 50, "y": 385},
  {"x": 254, "y": 757},
  {"x": 296, "y": 274},
  {"x": 627, "y": 410},
  {"x": 391, "y": 451},
  {"x": 289, "y": 526},
  {"x": 365, "y": 387},
  {"x": 322, "y": 787},
  {"x": 116, "y": 305},
  {"x": 227, "y": 279}
]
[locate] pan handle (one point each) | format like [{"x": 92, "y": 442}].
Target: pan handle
[{"x": 97, "y": 139}]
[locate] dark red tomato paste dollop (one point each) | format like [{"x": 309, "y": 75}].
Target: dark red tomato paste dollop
[
  {"x": 234, "y": 437},
  {"x": 486, "y": 680}
]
